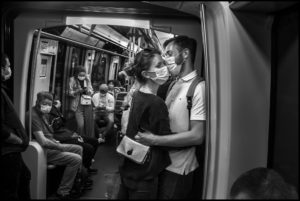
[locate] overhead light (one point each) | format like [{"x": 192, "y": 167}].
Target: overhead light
[{"x": 145, "y": 24}]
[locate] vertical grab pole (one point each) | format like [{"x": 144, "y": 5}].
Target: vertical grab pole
[
  {"x": 32, "y": 80},
  {"x": 207, "y": 95}
]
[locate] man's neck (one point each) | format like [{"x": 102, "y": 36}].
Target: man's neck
[{"x": 187, "y": 69}]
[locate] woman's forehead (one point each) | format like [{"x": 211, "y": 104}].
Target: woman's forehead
[{"x": 46, "y": 101}]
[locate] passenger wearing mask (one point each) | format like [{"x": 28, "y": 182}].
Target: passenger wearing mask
[
  {"x": 66, "y": 136},
  {"x": 177, "y": 181},
  {"x": 68, "y": 155},
  {"x": 80, "y": 91},
  {"x": 15, "y": 175},
  {"x": 111, "y": 88},
  {"x": 104, "y": 104},
  {"x": 148, "y": 112}
]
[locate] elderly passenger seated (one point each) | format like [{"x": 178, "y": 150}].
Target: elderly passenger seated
[
  {"x": 104, "y": 105},
  {"x": 68, "y": 155}
]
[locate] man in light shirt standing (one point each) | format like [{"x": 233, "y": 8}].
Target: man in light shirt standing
[
  {"x": 177, "y": 180},
  {"x": 104, "y": 104}
]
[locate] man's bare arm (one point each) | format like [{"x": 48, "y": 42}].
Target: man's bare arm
[
  {"x": 45, "y": 142},
  {"x": 195, "y": 136}
]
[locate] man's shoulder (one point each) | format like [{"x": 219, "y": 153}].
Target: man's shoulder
[
  {"x": 34, "y": 114},
  {"x": 200, "y": 87}
]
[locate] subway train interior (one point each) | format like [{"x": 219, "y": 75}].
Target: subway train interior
[{"x": 247, "y": 52}]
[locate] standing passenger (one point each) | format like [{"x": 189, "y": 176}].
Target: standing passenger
[
  {"x": 176, "y": 182},
  {"x": 80, "y": 90},
  {"x": 149, "y": 112},
  {"x": 15, "y": 176}
]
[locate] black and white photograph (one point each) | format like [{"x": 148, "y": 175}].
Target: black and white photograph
[{"x": 149, "y": 100}]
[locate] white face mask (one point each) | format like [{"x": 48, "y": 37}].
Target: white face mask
[
  {"x": 81, "y": 78},
  {"x": 172, "y": 66},
  {"x": 161, "y": 75},
  {"x": 6, "y": 73},
  {"x": 45, "y": 109}
]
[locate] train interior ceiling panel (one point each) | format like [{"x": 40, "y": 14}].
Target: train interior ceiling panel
[{"x": 247, "y": 53}]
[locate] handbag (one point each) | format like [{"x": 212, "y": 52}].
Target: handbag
[
  {"x": 85, "y": 100},
  {"x": 133, "y": 150}
]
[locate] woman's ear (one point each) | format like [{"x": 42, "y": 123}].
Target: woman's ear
[{"x": 145, "y": 74}]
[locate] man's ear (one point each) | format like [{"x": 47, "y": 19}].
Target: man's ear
[
  {"x": 145, "y": 74},
  {"x": 186, "y": 53}
]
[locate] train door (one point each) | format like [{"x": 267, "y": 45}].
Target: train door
[
  {"x": 114, "y": 66},
  {"x": 98, "y": 70},
  {"x": 45, "y": 61},
  {"x": 89, "y": 60}
]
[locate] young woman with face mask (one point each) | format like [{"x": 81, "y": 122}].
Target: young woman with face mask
[
  {"x": 147, "y": 112},
  {"x": 80, "y": 91}
]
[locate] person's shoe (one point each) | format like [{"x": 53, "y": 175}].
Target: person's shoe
[
  {"x": 92, "y": 171},
  {"x": 101, "y": 140}
]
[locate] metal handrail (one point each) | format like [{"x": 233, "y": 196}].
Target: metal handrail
[{"x": 32, "y": 81}]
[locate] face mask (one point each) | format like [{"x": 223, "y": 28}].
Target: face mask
[
  {"x": 81, "y": 78},
  {"x": 172, "y": 66},
  {"x": 6, "y": 73},
  {"x": 161, "y": 75},
  {"x": 45, "y": 109}
]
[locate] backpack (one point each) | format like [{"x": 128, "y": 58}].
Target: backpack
[{"x": 189, "y": 94}]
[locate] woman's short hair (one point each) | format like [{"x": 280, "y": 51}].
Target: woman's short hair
[
  {"x": 44, "y": 95},
  {"x": 142, "y": 62},
  {"x": 79, "y": 69}
]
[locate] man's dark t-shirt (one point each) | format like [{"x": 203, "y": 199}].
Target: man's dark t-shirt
[{"x": 148, "y": 112}]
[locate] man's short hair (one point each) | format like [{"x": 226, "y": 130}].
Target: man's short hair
[
  {"x": 44, "y": 95},
  {"x": 262, "y": 183},
  {"x": 184, "y": 42}
]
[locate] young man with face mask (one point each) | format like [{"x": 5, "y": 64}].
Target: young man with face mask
[
  {"x": 176, "y": 182},
  {"x": 104, "y": 104},
  {"x": 14, "y": 174},
  {"x": 69, "y": 155}
]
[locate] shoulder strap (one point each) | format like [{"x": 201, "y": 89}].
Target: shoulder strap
[{"x": 190, "y": 94}]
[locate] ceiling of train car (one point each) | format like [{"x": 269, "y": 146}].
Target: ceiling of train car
[{"x": 108, "y": 7}]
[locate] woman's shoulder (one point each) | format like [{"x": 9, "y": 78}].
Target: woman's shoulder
[{"x": 153, "y": 100}]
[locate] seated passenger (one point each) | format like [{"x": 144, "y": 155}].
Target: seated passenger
[
  {"x": 66, "y": 136},
  {"x": 262, "y": 183},
  {"x": 111, "y": 88},
  {"x": 104, "y": 104},
  {"x": 68, "y": 155}
]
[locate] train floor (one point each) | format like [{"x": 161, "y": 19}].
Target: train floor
[{"x": 106, "y": 181}]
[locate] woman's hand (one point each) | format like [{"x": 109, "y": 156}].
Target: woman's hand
[{"x": 145, "y": 138}]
